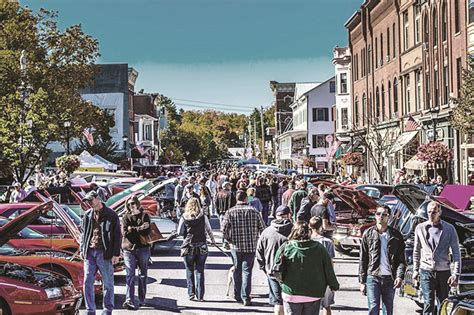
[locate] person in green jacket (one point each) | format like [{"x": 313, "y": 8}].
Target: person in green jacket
[
  {"x": 296, "y": 197},
  {"x": 308, "y": 272}
]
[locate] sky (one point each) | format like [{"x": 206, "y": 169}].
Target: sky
[{"x": 218, "y": 54}]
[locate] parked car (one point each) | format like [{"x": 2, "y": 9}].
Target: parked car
[
  {"x": 28, "y": 290},
  {"x": 317, "y": 176},
  {"x": 413, "y": 202},
  {"x": 375, "y": 191},
  {"x": 459, "y": 304}
]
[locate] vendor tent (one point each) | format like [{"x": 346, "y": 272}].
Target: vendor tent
[
  {"x": 90, "y": 163},
  {"x": 110, "y": 166}
]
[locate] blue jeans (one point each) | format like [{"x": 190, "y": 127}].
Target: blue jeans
[
  {"x": 95, "y": 262},
  {"x": 265, "y": 211},
  {"x": 275, "y": 292},
  {"x": 380, "y": 287},
  {"x": 138, "y": 257},
  {"x": 243, "y": 263},
  {"x": 195, "y": 274},
  {"x": 434, "y": 284}
]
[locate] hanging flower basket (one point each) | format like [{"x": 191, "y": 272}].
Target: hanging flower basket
[
  {"x": 308, "y": 162},
  {"x": 352, "y": 158},
  {"x": 68, "y": 163},
  {"x": 434, "y": 152}
]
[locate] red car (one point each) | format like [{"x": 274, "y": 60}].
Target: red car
[{"x": 27, "y": 290}]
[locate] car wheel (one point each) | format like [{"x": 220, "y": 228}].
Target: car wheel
[
  {"x": 342, "y": 249},
  {"x": 4, "y": 309}
]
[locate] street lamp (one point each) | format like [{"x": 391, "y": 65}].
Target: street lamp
[
  {"x": 351, "y": 134},
  {"x": 125, "y": 139},
  {"x": 67, "y": 125},
  {"x": 434, "y": 117}
]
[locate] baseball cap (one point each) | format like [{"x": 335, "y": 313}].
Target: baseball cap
[
  {"x": 90, "y": 195},
  {"x": 225, "y": 184},
  {"x": 282, "y": 210}
]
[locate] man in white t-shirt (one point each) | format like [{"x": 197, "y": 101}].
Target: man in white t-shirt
[{"x": 382, "y": 263}]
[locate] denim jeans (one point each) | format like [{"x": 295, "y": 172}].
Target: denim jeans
[
  {"x": 95, "y": 262},
  {"x": 275, "y": 292},
  {"x": 434, "y": 284},
  {"x": 265, "y": 211},
  {"x": 137, "y": 257},
  {"x": 380, "y": 287},
  {"x": 308, "y": 308},
  {"x": 195, "y": 274},
  {"x": 243, "y": 263}
]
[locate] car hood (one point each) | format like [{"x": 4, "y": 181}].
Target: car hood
[
  {"x": 410, "y": 195},
  {"x": 71, "y": 227},
  {"x": 357, "y": 200},
  {"x": 14, "y": 226}
]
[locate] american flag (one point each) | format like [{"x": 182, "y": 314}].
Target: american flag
[
  {"x": 411, "y": 124},
  {"x": 140, "y": 149},
  {"x": 88, "y": 135}
]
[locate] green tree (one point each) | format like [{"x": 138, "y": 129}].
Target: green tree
[
  {"x": 463, "y": 114},
  {"x": 37, "y": 100}
]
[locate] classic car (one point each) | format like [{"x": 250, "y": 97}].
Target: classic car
[
  {"x": 411, "y": 210},
  {"x": 375, "y": 191},
  {"x": 29, "y": 290},
  {"x": 459, "y": 304}
]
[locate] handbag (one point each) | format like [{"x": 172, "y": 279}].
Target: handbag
[
  {"x": 154, "y": 235},
  {"x": 279, "y": 269}
]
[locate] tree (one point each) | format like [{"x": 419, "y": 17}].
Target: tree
[
  {"x": 37, "y": 99},
  {"x": 463, "y": 114}
]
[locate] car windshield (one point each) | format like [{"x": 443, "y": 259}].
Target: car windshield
[
  {"x": 73, "y": 215},
  {"x": 26, "y": 232},
  {"x": 6, "y": 249}
]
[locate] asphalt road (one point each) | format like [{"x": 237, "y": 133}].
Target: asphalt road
[{"x": 167, "y": 287}]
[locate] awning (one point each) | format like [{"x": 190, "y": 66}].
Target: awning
[
  {"x": 402, "y": 141},
  {"x": 348, "y": 147},
  {"x": 415, "y": 164}
]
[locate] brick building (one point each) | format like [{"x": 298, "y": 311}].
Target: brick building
[{"x": 407, "y": 57}]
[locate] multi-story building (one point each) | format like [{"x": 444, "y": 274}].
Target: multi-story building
[
  {"x": 145, "y": 126},
  {"x": 407, "y": 58}
]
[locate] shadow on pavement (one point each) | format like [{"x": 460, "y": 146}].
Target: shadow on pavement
[
  {"x": 248, "y": 309},
  {"x": 120, "y": 280},
  {"x": 180, "y": 283},
  {"x": 180, "y": 265},
  {"x": 347, "y": 308}
]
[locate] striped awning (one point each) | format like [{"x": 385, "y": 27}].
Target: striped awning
[{"x": 415, "y": 164}]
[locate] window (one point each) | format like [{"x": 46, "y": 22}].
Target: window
[
  {"x": 418, "y": 90},
  {"x": 446, "y": 84},
  {"x": 458, "y": 75},
  {"x": 405, "y": 30},
  {"x": 364, "y": 106},
  {"x": 407, "y": 93},
  {"x": 319, "y": 141},
  {"x": 356, "y": 111},
  {"x": 344, "y": 118},
  {"x": 343, "y": 83},
  {"x": 395, "y": 97},
  {"x": 389, "y": 98},
  {"x": 320, "y": 114},
  {"x": 369, "y": 59},
  {"x": 426, "y": 34},
  {"x": 436, "y": 87},
  {"x": 364, "y": 56},
  {"x": 383, "y": 102},
  {"x": 332, "y": 87},
  {"x": 381, "y": 49},
  {"x": 444, "y": 26},
  {"x": 456, "y": 16},
  {"x": 417, "y": 24},
  {"x": 427, "y": 90},
  {"x": 388, "y": 44},
  {"x": 377, "y": 102},
  {"x": 376, "y": 53},
  {"x": 147, "y": 132},
  {"x": 394, "y": 41},
  {"x": 434, "y": 20},
  {"x": 471, "y": 11}
]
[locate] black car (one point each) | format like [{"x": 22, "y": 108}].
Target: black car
[{"x": 412, "y": 210}]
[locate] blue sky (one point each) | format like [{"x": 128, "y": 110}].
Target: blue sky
[{"x": 216, "y": 51}]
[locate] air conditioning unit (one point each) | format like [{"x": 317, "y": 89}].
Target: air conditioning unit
[
  {"x": 425, "y": 46},
  {"x": 388, "y": 58},
  {"x": 445, "y": 50},
  {"x": 395, "y": 115}
]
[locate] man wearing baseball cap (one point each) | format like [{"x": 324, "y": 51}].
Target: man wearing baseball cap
[
  {"x": 268, "y": 243},
  {"x": 101, "y": 241}
]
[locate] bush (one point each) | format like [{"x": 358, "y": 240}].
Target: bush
[{"x": 68, "y": 163}]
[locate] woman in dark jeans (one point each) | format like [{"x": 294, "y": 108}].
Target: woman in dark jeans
[
  {"x": 194, "y": 226},
  {"x": 135, "y": 223}
]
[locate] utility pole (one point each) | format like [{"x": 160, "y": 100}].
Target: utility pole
[
  {"x": 263, "y": 133},
  {"x": 255, "y": 135}
]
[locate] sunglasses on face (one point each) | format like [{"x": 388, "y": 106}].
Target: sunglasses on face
[
  {"x": 132, "y": 204},
  {"x": 381, "y": 214}
]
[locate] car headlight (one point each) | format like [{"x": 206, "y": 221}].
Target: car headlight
[{"x": 54, "y": 293}]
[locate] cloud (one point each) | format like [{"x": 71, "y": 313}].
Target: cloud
[{"x": 245, "y": 84}]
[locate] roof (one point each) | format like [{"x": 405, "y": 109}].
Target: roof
[{"x": 320, "y": 84}]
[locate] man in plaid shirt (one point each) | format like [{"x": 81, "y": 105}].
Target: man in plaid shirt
[{"x": 242, "y": 226}]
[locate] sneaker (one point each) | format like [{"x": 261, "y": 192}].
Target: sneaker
[
  {"x": 238, "y": 299},
  {"x": 191, "y": 297},
  {"x": 247, "y": 303},
  {"x": 129, "y": 306}
]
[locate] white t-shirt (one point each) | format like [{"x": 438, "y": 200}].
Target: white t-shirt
[{"x": 384, "y": 261}]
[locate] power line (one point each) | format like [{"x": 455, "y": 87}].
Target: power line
[
  {"x": 214, "y": 107},
  {"x": 209, "y": 103}
]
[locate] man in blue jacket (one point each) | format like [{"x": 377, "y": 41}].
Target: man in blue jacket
[{"x": 100, "y": 248}]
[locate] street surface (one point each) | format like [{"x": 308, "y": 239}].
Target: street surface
[{"x": 167, "y": 287}]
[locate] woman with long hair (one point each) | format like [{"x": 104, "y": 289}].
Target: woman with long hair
[
  {"x": 135, "y": 223},
  {"x": 205, "y": 198},
  {"x": 194, "y": 226},
  {"x": 307, "y": 272}
]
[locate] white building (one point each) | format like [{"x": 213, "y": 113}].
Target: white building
[{"x": 342, "y": 65}]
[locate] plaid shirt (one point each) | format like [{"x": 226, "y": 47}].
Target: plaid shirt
[{"x": 242, "y": 226}]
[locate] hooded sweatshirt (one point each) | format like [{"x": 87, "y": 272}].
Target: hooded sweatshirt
[
  {"x": 194, "y": 229},
  {"x": 270, "y": 240}
]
